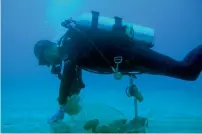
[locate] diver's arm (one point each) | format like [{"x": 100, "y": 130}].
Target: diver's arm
[
  {"x": 67, "y": 78},
  {"x": 69, "y": 72},
  {"x": 80, "y": 78}
]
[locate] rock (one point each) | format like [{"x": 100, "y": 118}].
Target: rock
[{"x": 91, "y": 124}]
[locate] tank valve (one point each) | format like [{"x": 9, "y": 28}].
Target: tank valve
[{"x": 70, "y": 23}]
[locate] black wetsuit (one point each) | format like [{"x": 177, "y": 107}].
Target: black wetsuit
[{"x": 94, "y": 51}]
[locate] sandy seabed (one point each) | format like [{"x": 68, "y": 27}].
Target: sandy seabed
[{"x": 179, "y": 113}]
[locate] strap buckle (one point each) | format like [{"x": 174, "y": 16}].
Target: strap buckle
[{"x": 117, "y": 60}]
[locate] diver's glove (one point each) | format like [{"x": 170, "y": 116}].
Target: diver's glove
[{"x": 59, "y": 115}]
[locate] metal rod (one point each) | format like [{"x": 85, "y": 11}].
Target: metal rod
[
  {"x": 136, "y": 108},
  {"x": 135, "y": 100}
]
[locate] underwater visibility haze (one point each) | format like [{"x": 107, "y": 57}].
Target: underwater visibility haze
[{"x": 29, "y": 92}]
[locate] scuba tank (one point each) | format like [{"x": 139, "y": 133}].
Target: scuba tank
[
  {"x": 133, "y": 31},
  {"x": 94, "y": 21}
]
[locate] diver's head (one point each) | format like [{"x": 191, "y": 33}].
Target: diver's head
[{"x": 47, "y": 52}]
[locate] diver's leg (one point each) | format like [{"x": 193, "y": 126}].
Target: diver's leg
[{"x": 160, "y": 64}]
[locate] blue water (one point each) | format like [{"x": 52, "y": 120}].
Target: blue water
[{"x": 29, "y": 91}]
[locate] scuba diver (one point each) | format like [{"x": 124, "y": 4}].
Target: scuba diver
[{"x": 108, "y": 46}]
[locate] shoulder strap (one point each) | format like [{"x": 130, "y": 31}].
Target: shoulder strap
[{"x": 64, "y": 37}]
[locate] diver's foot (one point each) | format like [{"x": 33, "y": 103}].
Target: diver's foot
[{"x": 58, "y": 116}]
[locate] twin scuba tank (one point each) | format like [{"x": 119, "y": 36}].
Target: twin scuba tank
[{"x": 94, "y": 20}]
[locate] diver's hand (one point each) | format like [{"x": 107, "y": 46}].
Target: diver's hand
[
  {"x": 58, "y": 116},
  {"x": 73, "y": 105}
]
